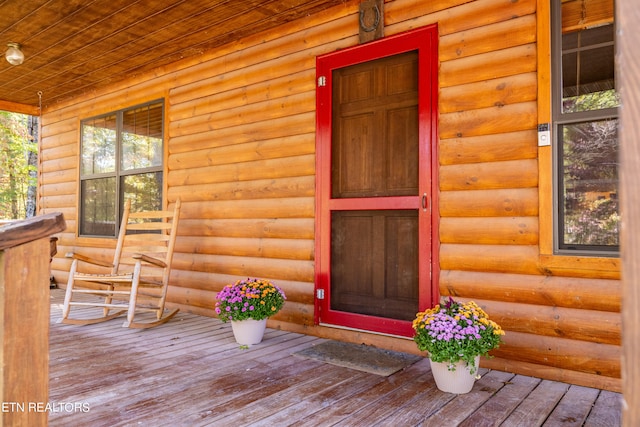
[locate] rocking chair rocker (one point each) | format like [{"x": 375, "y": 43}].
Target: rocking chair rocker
[{"x": 138, "y": 278}]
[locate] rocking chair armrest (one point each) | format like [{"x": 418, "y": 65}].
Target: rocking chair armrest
[
  {"x": 84, "y": 258},
  {"x": 150, "y": 260}
]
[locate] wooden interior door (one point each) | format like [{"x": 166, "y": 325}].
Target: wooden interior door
[{"x": 374, "y": 230}]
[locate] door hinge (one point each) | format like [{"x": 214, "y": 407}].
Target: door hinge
[
  {"x": 322, "y": 81},
  {"x": 320, "y": 293}
]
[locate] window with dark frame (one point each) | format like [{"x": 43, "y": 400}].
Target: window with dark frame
[
  {"x": 121, "y": 158},
  {"x": 585, "y": 118}
]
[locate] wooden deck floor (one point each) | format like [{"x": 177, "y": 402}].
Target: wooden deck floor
[{"x": 190, "y": 372}]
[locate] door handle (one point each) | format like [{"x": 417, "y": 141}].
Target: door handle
[{"x": 425, "y": 202}]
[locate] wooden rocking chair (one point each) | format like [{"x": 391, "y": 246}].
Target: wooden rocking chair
[{"x": 138, "y": 278}]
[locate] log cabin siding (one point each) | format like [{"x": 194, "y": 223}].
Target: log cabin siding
[{"x": 240, "y": 153}]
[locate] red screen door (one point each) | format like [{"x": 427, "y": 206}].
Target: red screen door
[{"x": 375, "y": 186}]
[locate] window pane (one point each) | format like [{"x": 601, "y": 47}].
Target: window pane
[
  {"x": 588, "y": 76},
  {"x": 99, "y": 145},
  {"x": 99, "y": 207},
  {"x": 590, "y": 182},
  {"x": 144, "y": 191},
  {"x": 122, "y": 158},
  {"x": 142, "y": 137}
]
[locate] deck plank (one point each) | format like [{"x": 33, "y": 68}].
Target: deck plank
[
  {"x": 500, "y": 406},
  {"x": 534, "y": 410},
  {"x": 203, "y": 400},
  {"x": 606, "y": 411},
  {"x": 191, "y": 372},
  {"x": 573, "y": 408},
  {"x": 360, "y": 399},
  {"x": 308, "y": 406},
  {"x": 460, "y": 408},
  {"x": 182, "y": 383},
  {"x": 388, "y": 404},
  {"x": 265, "y": 402}
]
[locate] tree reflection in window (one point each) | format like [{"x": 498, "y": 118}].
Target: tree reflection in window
[
  {"x": 121, "y": 158},
  {"x": 590, "y": 183},
  {"x": 586, "y": 127}
]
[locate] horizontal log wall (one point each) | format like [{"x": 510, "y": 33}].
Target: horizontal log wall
[
  {"x": 566, "y": 328},
  {"x": 240, "y": 126}
]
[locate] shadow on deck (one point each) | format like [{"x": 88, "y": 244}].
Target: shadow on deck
[{"x": 190, "y": 372}]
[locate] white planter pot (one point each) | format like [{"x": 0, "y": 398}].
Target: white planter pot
[
  {"x": 249, "y": 331},
  {"x": 459, "y": 381}
]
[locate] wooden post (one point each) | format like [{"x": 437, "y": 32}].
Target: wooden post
[
  {"x": 371, "y": 20},
  {"x": 628, "y": 18},
  {"x": 24, "y": 319}
]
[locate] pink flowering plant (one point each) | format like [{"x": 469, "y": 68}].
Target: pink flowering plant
[
  {"x": 456, "y": 331},
  {"x": 249, "y": 299}
]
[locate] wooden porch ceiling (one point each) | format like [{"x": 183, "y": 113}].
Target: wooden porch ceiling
[{"x": 76, "y": 46}]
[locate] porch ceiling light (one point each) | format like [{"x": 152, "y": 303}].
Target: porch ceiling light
[{"x": 14, "y": 55}]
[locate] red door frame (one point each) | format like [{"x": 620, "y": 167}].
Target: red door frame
[{"x": 425, "y": 40}]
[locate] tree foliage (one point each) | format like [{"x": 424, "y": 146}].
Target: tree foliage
[
  {"x": 18, "y": 166},
  {"x": 590, "y": 175}
]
